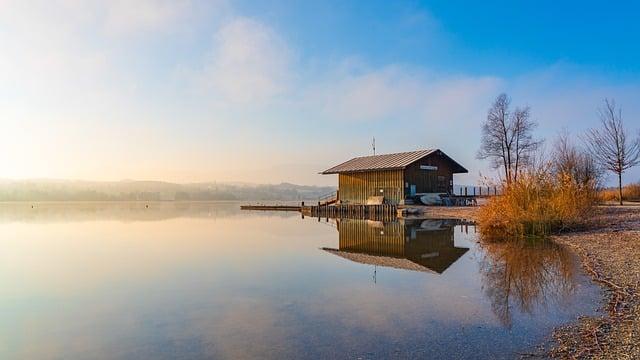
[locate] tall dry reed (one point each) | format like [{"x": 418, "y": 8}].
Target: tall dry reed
[
  {"x": 630, "y": 192},
  {"x": 538, "y": 203}
]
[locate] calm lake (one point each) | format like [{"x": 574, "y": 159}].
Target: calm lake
[{"x": 205, "y": 280}]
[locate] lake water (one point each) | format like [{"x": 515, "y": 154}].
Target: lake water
[{"x": 204, "y": 280}]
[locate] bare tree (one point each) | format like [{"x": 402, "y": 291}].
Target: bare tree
[
  {"x": 609, "y": 144},
  {"x": 507, "y": 137},
  {"x": 494, "y": 135},
  {"x": 569, "y": 159},
  {"x": 524, "y": 144}
]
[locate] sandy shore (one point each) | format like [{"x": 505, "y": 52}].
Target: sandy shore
[
  {"x": 446, "y": 212},
  {"x": 609, "y": 248}
]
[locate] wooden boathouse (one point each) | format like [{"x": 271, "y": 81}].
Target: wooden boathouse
[{"x": 394, "y": 178}]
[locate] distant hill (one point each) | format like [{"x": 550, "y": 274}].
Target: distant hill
[{"x": 131, "y": 190}]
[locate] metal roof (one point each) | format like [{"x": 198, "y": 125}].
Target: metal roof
[
  {"x": 385, "y": 162},
  {"x": 380, "y": 260}
]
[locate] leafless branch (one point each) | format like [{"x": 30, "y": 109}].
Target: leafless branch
[
  {"x": 609, "y": 145},
  {"x": 507, "y": 137}
]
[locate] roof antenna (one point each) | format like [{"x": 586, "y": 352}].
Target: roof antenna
[{"x": 374, "y": 145}]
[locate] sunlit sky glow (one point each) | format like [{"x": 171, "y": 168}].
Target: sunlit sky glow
[{"x": 278, "y": 91}]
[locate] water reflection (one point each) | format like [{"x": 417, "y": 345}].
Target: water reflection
[
  {"x": 198, "y": 280},
  {"x": 526, "y": 275},
  {"x": 520, "y": 276},
  {"x": 418, "y": 245}
]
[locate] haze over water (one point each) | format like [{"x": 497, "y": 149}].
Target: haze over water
[{"x": 201, "y": 280}]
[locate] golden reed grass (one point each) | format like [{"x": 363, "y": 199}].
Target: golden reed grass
[
  {"x": 630, "y": 192},
  {"x": 536, "y": 204}
]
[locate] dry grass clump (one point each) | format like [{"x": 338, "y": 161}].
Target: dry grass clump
[
  {"x": 538, "y": 203},
  {"x": 630, "y": 192}
]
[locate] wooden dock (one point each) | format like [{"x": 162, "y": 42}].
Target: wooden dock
[
  {"x": 271, "y": 207},
  {"x": 384, "y": 211},
  {"x": 350, "y": 211}
]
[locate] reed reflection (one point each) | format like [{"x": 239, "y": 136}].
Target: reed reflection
[
  {"x": 417, "y": 245},
  {"x": 526, "y": 275}
]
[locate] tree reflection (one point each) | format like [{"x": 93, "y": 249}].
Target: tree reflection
[{"x": 526, "y": 275}]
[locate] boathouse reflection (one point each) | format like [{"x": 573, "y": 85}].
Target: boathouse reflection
[{"x": 418, "y": 245}]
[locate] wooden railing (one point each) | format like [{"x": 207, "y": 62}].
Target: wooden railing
[
  {"x": 478, "y": 191},
  {"x": 328, "y": 198}
]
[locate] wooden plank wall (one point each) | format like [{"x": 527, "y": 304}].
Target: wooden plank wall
[
  {"x": 426, "y": 181},
  {"x": 371, "y": 237},
  {"x": 356, "y": 188}
]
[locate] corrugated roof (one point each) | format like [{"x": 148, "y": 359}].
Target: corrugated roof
[
  {"x": 383, "y": 162},
  {"x": 436, "y": 265}
]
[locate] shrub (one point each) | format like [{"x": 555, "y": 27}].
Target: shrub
[
  {"x": 607, "y": 195},
  {"x": 538, "y": 203},
  {"x": 630, "y": 192}
]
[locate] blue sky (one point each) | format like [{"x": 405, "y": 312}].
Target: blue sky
[
  {"x": 474, "y": 37},
  {"x": 277, "y": 91}
]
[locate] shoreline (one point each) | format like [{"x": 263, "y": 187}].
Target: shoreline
[
  {"x": 444, "y": 212},
  {"x": 609, "y": 252}
]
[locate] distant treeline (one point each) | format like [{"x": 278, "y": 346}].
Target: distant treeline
[{"x": 50, "y": 190}]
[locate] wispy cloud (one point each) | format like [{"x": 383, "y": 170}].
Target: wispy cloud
[
  {"x": 397, "y": 92},
  {"x": 248, "y": 62},
  {"x": 126, "y": 17}
]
